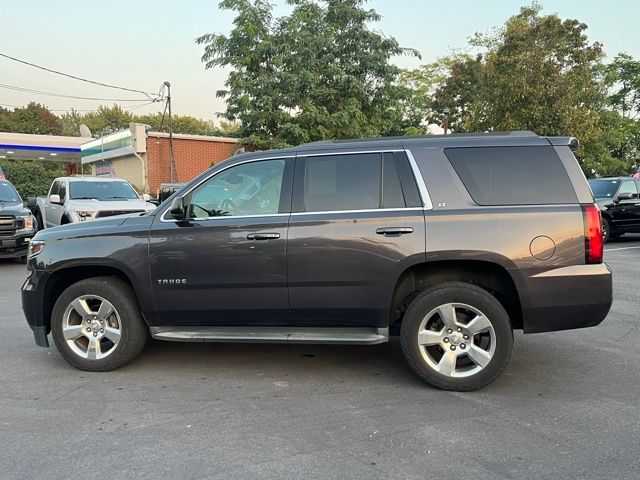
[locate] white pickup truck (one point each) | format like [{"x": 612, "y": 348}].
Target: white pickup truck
[{"x": 78, "y": 199}]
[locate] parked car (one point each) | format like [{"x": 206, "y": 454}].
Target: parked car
[
  {"x": 17, "y": 225},
  {"x": 450, "y": 242},
  {"x": 619, "y": 202},
  {"x": 81, "y": 198}
]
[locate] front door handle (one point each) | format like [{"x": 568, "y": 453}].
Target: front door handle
[
  {"x": 394, "y": 231},
  {"x": 263, "y": 236}
]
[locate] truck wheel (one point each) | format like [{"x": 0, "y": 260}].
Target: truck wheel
[
  {"x": 39, "y": 222},
  {"x": 606, "y": 230},
  {"x": 96, "y": 324},
  {"x": 456, "y": 336}
]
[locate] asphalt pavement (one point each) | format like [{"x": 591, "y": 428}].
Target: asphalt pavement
[{"x": 568, "y": 406}]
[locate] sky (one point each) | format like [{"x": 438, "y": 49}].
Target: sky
[{"x": 140, "y": 44}]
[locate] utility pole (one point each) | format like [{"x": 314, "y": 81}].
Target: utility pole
[
  {"x": 172, "y": 173},
  {"x": 445, "y": 120}
]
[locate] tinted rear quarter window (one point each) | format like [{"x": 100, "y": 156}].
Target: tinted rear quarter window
[{"x": 512, "y": 175}]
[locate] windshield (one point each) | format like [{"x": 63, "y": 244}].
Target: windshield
[
  {"x": 8, "y": 193},
  {"x": 604, "y": 188},
  {"x": 101, "y": 190}
]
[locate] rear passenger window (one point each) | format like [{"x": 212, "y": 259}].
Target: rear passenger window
[
  {"x": 512, "y": 175},
  {"x": 343, "y": 182},
  {"x": 629, "y": 187}
]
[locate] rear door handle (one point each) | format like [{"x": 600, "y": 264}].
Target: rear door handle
[
  {"x": 263, "y": 236},
  {"x": 394, "y": 231}
]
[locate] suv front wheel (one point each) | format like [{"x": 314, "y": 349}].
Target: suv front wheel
[
  {"x": 96, "y": 324},
  {"x": 457, "y": 336}
]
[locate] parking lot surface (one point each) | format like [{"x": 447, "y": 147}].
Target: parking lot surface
[{"x": 568, "y": 406}]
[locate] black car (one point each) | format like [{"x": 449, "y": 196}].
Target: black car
[
  {"x": 619, "y": 201},
  {"x": 450, "y": 242},
  {"x": 17, "y": 224}
]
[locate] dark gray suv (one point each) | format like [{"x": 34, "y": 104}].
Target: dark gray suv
[{"x": 450, "y": 242}]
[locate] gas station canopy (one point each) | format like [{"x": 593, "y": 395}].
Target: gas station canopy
[{"x": 22, "y": 146}]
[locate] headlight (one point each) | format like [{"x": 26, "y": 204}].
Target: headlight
[
  {"x": 35, "y": 247},
  {"x": 27, "y": 224},
  {"x": 84, "y": 214}
]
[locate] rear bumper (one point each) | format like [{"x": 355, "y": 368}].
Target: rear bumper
[{"x": 565, "y": 298}]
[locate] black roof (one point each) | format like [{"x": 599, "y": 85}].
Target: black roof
[{"x": 515, "y": 138}]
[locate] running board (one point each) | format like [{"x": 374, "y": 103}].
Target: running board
[{"x": 355, "y": 335}]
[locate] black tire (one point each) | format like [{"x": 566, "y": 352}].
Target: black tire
[
  {"x": 463, "y": 293},
  {"x": 39, "y": 222},
  {"x": 22, "y": 260},
  {"x": 606, "y": 230},
  {"x": 134, "y": 331}
]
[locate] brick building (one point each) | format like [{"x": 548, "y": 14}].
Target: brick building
[{"x": 142, "y": 157}]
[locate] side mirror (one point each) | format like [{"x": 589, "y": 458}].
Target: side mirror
[
  {"x": 623, "y": 196},
  {"x": 146, "y": 197},
  {"x": 55, "y": 198},
  {"x": 178, "y": 209}
]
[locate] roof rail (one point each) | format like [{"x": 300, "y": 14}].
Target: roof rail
[{"x": 516, "y": 133}]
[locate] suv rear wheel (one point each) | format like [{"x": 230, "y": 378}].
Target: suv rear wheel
[
  {"x": 457, "y": 336},
  {"x": 96, "y": 324}
]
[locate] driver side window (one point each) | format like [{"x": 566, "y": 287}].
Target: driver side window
[{"x": 248, "y": 189}]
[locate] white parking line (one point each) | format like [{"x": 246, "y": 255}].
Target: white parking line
[{"x": 623, "y": 248}]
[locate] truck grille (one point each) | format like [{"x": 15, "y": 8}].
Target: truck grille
[
  {"x": 7, "y": 225},
  {"x": 111, "y": 213}
]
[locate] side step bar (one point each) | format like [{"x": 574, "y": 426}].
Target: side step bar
[{"x": 355, "y": 335}]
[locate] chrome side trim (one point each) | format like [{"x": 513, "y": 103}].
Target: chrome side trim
[
  {"x": 366, "y": 210},
  {"x": 318, "y": 335},
  {"x": 575, "y": 271},
  {"x": 350, "y": 152},
  {"x": 422, "y": 187}
]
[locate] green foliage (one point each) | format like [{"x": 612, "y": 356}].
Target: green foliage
[
  {"x": 31, "y": 178},
  {"x": 110, "y": 119},
  {"x": 541, "y": 73},
  {"x": 34, "y": 118},
  {"x": 622, "y": 76},
  {"x": 317, "y": 73}
]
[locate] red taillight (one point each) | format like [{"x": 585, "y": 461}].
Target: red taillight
[{"x": 592, "y": 234}]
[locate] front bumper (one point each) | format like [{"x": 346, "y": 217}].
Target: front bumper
[
  {"x": 566, "y": 298},
  {"x": 32, "y": 306},
  {"x": 16, "y": 245}
]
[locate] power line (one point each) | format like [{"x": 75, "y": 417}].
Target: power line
[
  {"x": 62, "y": 95},
  {"x": 146, "y": 94},
  {"x": 53, "y": 109},
  {"x": 128, "y": 109}
]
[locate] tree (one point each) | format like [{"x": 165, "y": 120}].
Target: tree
[
  {"x": 539, "y": 72},
  {"x": 71, "y": 122},
  {"x": 417, "y": 109},
  {"x": 317, "y": 73},
  {"x": 31, "y": 178},
  {"x": 622, "y": 77},
  {"x": 107, "y": 119},
  {"x": 34, "y": 118}
]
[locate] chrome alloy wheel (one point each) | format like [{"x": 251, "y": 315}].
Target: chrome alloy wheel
[
  {"x": 91, "y": 327},
  {"x": 456, "y": 340}
]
